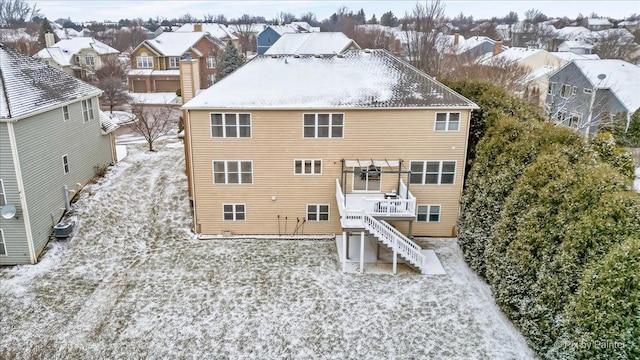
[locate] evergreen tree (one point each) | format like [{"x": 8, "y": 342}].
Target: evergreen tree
[
  {"x": 231, "y": 60},
  {"x": 44, "y": 29},
  {"x": 388, "y": 19},
  {"x": 373, "y": 20}
]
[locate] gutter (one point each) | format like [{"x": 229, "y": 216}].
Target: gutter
[{"x": 447, "y": 107}]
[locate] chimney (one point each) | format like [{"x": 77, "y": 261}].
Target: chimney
[
  {"x": 197, "y": 27},
  {"x": 49, "y": 39},
  {"x": 456, "y": 38},
  {"x": 189, "y": 78},
  {"x": 497, "y": 47}
]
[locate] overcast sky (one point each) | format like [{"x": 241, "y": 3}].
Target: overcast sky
[{"x": 83, "y": 10}]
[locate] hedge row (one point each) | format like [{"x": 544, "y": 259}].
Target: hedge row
[{"x": 549, "y": 218}]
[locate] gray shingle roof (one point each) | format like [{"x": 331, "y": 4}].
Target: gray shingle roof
[
  {"x": 359, "y": 79},
  {"x": 30, "y": 85}
]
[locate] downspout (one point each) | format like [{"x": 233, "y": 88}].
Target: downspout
[
  {"x": 191, "y": 179},
  {"x": 21, "y": 193}
]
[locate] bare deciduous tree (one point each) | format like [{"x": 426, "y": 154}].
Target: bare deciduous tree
[
  {"x": 613, "y": 43},
  {"x": 244, "y": 32},
  {"x": 128, "y": 39},
  {"x": 14, "y": 13},
  {"x": 424, "y": 42},
  {"x": 111, "y": 79},
  {"x": 152, "y": 122}
]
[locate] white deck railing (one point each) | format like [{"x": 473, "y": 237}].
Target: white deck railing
[{"x": 386, "y": 233}]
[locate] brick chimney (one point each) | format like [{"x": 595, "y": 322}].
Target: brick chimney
[
  {"x": 197, "y": 27},
  {"x": 497, "y": 47},
  {"x": 456, "y": 38},
  {"x": 189, "y": 78},
  {"x": 49, "y": 39}
]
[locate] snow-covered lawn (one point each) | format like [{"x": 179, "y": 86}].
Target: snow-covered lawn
[{"x": 134, "y": 282}]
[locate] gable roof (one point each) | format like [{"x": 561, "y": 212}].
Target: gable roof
[
  {"x": 173, "y": 43},
  {"x": 311, "y": 44},
  {"x": 288, "y": 29},
  {"x": 573, "y": 33},
  {"x": 621, "y": 78},
  {"x": 214, "y": 29},
  {"x": 360, "y": 79},
  {"x": 29, "y": 85},
  {"x": 63, "y": 51}
]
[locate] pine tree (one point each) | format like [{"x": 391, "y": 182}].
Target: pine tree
[
  {"x": 373, "y": 20},
  {"x": 231, "y": 60},
  {"x": 44, "y": 29}
]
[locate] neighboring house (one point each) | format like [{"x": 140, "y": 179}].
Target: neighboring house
[
  {"x": 328, "y": 144},
  {"x": 585, "y": 94},
  {"x": 267, "y": 37},
  {"x": 595, "y": 24},
  {"x": 469, "y": 49},
  {"x": 80, "y": 56},
  {"x": 154, "y": 63},
  {"x": 218, "y": 31},
  {"x": 316, "y": 43},
  {"x": 576, "y": 47},
  {"x": 630, "y": 25},
  {"x": 52, "y": 143}
]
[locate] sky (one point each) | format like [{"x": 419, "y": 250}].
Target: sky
[{"x": 82, "y": 10}]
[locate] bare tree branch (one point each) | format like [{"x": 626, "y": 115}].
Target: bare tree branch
[{"x": 152, "y": 122}]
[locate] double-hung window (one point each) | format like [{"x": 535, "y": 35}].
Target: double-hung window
[
  {"x": 323, "y": 125},
  {"x": 65, "y": 113},
  {"x": 318, "y": 212},
  {"x": 3, "y": 196},
  {"x": 65, "y": 163},
  {"x": 87, "y": 110},
  {"x": 447, "y": 121},
  {"x": 429, "y": 213},
  {"x": 233, "y": 212},
  {"x": 307, "y": 167},
  {"x": 228, "y": 125},
  {"x": 232, "y": 172},
  {"x": 144, "y": 62},
  {"x": 566, "y": 91},
  {"x": 433, "y": 172},
  {"x": 89, "y": 60},
  {"x": 174, "y": 61},
  {"x": 211, "y": 62}
]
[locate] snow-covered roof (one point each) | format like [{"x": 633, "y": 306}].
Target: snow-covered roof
[
  {"x": 174, "y": 43},
  {"x": 516, "y": 54},
  {"x": 598, "y": 22},
  {"x": 573, "y": 33},
  {"x": 289, "y": 29},
  {"x": 63, "y": 51},
  {"x": 569, "y": 56},
  {"x": 359, "y": 79},
  {"x": 29, "y": 85},
  {"x": 311, "y": 44},
  {"x": 621, "y": 78},
  {"x": 445, "y": 43},
  {"x": 540, "y": 72},
  {"x": 575, "y": 45},
  {"x": 622, "y": 35},
  {"x": 252, "y": 28},
  {"x": 214, "y": 29},
  {"x": 107, "y": 124},
  {"x": 154, "y": 98}
]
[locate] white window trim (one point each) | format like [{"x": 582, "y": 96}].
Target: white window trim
[
  {"x": 92, "y": 62},
  {"x": 587, "y": 91},
  {"x": 318, "y": 212},
  {"x": 552, "y": 88},
  {"x": 173, "y": 59},
  {"x": 146, "y": 64},
  {"x": 3, "y": 194},
  {"x": 302, "y": 167},
  {"x": 565, "y": 94},
  {"x": 330, "y": 125},
  {"x": 226, "y": 172},
  {"x": 447, "y": 121},
  {"x": 65, "y": 164},
  {"x": 87, "y": 110},
  {"x": 235, "y": 213},
  {"x": 573, "y": 114},
  {"x": 224, "y": 126},
  {"x": 429, "y": 213},
  {"x": 3, "y": 243},
  {"x": 65, "y": 113},
  {"x": 212, "y": 62},
  {"x": 441, "y": 164}
]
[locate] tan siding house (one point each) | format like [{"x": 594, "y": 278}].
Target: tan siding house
[{"x": 260, "y": 159}]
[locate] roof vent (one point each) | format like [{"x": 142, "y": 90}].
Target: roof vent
[{"x": 367, "y": 51}]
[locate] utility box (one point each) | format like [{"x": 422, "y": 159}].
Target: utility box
[{"x": 62, "y": 230}]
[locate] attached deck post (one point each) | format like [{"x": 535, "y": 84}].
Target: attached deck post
[
  {"x": 395, "y": 257},
  {"x": 344, "y": 251},
  {"x": 347, "y": 240},
  {"x": 362, "y": 252}
]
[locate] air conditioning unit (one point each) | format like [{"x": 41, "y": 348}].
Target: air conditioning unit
[{"x": 62, "y": 230}]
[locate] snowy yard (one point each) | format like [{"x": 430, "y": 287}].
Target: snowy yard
[{"x": 134, "y": 282}]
